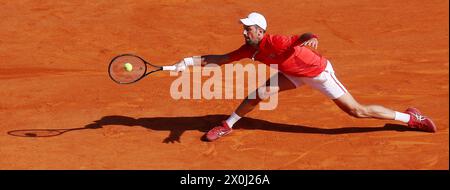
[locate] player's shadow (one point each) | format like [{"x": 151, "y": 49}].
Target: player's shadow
[{"x": 178, "y": 125}]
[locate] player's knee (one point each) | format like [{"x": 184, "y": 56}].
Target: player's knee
[{"x": 358, "y": 111}]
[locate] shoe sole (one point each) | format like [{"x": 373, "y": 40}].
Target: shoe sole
[
  {"x": 218, "y": 137},
  {"x": 430, "y": 123}
]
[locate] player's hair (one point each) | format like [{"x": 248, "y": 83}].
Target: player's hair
[{"x": 257, "y": 27}]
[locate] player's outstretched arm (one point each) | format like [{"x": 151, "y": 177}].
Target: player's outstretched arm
[
  {"x": 215, "y": 59},
  {"x": 201, "y": 61}
]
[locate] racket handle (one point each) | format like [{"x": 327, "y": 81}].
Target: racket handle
[{"x": 169, "y": 68}]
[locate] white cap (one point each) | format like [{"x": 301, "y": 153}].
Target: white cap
[{"x": 255, "y": 19}]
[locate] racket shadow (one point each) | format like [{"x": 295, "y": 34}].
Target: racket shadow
[{"x": 46, "y": 132}]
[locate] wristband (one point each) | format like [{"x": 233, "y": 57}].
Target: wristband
[{"x": 189, "y": 61}]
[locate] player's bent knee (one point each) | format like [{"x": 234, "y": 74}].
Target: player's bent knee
[{"x": 359, "y": 112}]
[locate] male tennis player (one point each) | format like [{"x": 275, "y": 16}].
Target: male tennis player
[{"x": 298, "y": 65}]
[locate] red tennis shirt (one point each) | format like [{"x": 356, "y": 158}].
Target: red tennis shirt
[{"x": 284, "y": 51}]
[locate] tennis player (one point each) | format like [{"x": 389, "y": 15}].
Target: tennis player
[{"x": 298, "y": 64}]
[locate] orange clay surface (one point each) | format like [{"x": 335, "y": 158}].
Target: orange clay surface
[{"x": 53, "y": 75}]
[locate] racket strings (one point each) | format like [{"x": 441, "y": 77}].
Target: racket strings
[
  {"x": 46, "y": 132},
  {"x": 127, "y": 69},
  {"x": 36, "y": 133}
]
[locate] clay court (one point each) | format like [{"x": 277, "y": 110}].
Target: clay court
[{"x": 53, "y": 72}]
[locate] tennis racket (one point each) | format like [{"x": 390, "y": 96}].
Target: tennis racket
[{"x": 129, "y": 68}]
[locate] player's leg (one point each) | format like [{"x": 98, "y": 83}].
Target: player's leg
[
  {"x": 411, "y": 116},
  {"x": 251, "y": 101},
  {"x": 248, "y": 104},
  {"x": 349, "y": 105},
  {"x": 329, "y": 85}
]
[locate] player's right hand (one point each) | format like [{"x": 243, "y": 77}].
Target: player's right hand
[{"x": 180, "y": 66}]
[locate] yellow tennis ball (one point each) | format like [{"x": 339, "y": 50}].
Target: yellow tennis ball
[{"x": 128, "y": 67}]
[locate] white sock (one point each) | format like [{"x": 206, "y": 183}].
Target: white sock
[
  {"x": 232, "y": 119},
  {"x": 403, "y": 117}
]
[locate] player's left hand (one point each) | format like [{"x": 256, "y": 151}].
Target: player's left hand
[{"x": 313, "y": 42}]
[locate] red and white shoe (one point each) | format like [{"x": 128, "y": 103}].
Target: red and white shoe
[
  {"x": 219, "y": 131},
  {"x": 419, "y": 121}
]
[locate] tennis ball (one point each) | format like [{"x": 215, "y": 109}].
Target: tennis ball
[{"x": 128, "y": 67}]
